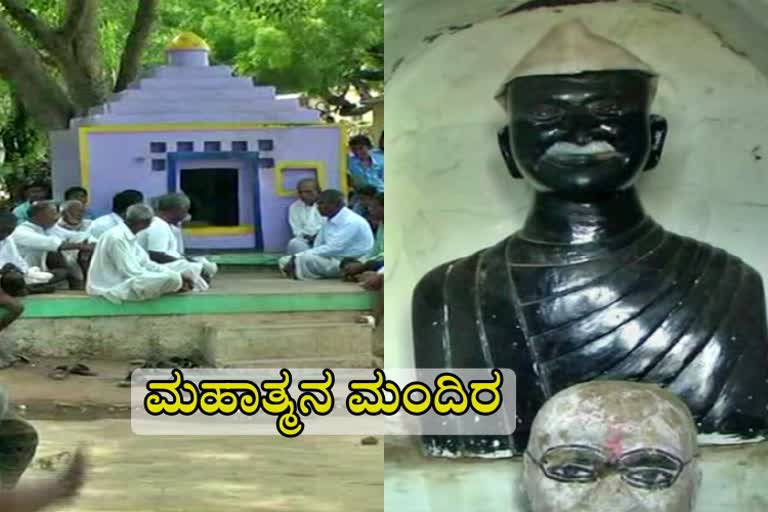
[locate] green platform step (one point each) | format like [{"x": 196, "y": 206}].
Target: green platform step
[
  {"x": 245, "y": 259},
  {"x": 74, "y": 306},
  {"x": 203, "y": 304}
]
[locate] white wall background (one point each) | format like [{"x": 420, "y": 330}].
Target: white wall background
[{"x": 448, "y": 190}]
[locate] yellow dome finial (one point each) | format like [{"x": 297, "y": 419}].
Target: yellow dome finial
[{"x": 188, "y": 41}]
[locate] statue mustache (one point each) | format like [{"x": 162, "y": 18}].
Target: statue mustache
[{"x": 570, "y": 149}]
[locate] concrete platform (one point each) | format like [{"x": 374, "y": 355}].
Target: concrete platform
[
  {"x": 245, "y": 319},
  {"x": 252, "y": 292}
]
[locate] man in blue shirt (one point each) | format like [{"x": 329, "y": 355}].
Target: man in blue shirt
[
  {"x": 365, "y": 167},
  {"x": 35, "y": 191},
  {"x": 344, "y": 235}
]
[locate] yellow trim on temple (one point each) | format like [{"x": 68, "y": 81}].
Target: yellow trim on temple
[
  {"x": 343, "y": 161},
  {"x": 202, "y": 126},
  {"x": 220, "y": 230},
  {"x": 85, "y": 163},
  {"x": 280, "y": 167},
  {"x": 84, "y": 131}
]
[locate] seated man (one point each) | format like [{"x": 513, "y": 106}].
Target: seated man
[
  {"x": 120, "y": 203},
  {"x": 352, "y": 268},
  {"x": 41, "y": 248},
  {"x": 33, "y": 192},
  {"x": 17, "y": 278},
  {"x": 11, "y": 277},
  {"x": 164, "y": 242},
  {"x": 73, "y": 216},
  {"x": 122, "y": 271},
  {"x": 72, "y": 227},
  {"x": 303, "y": 216},
  {"x": 80, "y": 194},
  {"x": 344, "y": 235},
  {"x": 365, "y": 197}
]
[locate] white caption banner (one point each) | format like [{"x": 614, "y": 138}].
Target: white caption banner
[{"x": 301, "y": 402}]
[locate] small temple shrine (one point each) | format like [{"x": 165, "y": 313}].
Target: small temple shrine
[{"x": 235, "y": 148}]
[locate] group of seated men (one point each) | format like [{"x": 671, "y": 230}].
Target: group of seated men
[
  {"x": 131, "y": 254},
  {"x": 331, "y": 240}
]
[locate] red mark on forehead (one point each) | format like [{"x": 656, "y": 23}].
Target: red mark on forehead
[{"x": 614, "y": 441}]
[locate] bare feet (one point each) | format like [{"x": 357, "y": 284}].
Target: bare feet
[
  {"x": 371, "y": 280},
  {"x": 187, "y": 284},
  {"x": 35, "y": 496}
]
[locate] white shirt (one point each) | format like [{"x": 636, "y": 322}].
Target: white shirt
[
  {"x": 70, "y": 235},
  {"x": 103, "y": 224},
  {"x": 346, "y": 235},
  {"x": 34, "y": 243},
  {"x": 162, "y": 237},
  {"x": 9, "y": 253},
  {"x": 117, "y": 258},
  {"x": 304, "y": 220}
]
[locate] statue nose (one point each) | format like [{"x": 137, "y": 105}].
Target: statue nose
[
  {"x": 581, "y": 128},
  {"x": 582, "y": 137}
]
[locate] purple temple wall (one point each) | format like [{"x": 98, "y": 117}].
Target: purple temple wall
[
  {"x": 121, "y": 160},
  {"x": 65, "y": 161},
  {"x": 198, "y": 107},
  {"x": 302, "y": 144},
  {"x": 218, "y": 242}
]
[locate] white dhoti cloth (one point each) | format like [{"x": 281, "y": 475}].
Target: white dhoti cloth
[
  {"x": 297, "y": 245},
  {"x": 122, "y": 271},
  {"x": 167, "y": 239},
  {"x": 144, "y": 287},
  {"x": 209, "y": 267},
  {"x": 310, "y": 266},
  {"x": 193, "y": 269}
]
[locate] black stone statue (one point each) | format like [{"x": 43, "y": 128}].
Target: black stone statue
[{"x": 591, "y": 287}]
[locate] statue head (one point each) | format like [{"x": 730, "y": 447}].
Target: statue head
[
  {"x": 579, "y": 114},
  {"x": 608, "y": 445}
]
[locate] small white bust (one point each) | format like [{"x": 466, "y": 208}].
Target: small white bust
[{"x": 607, "y": 446}]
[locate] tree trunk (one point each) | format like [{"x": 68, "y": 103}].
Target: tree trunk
[
  {"x": 80, "y": 58},
  {"x": 44, "y": 99},
  {"x": 130, "y": 62}
]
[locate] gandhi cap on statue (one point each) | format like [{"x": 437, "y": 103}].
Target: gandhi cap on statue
[{"x": 570, "y": 48}]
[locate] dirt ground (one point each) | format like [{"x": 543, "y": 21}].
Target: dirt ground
[
  {"x": 203, "y": 474},
  {"x": 185, "y": 474}
]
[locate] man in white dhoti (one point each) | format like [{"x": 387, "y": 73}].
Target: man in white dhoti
[
  {"x": 16, "y": 274},
  {"x": 304, "y": 218},
  {"x": 16, "y": 279},
  {"x": 120, "y": 203},
  {"x": 11, "y": 277},
  {"x": 121, "y": 269},
  {"x": 42, "y": 248},
  {"x": 73, "y": 227},
  {"x": 164, "y": 242},
  {"x": 344, "y": 235}
]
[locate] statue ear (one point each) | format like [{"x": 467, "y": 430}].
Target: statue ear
[
  {"x": 658, "y": 136},
  {"x": 506, "y": 152}
]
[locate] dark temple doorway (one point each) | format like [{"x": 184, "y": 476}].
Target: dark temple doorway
[{"x": 215, "y": 196}]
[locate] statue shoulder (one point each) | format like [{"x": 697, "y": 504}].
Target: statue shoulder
[
  {"x": 750, "y": 275},
  {"x": 430, "y": 286}
]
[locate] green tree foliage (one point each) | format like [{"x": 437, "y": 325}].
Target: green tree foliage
[{"x": 320, "y": 47}]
